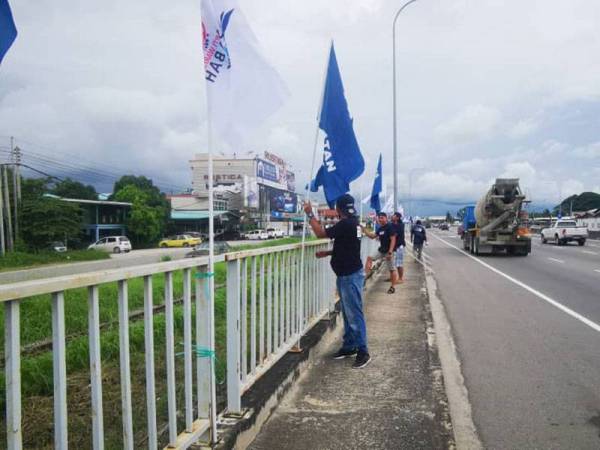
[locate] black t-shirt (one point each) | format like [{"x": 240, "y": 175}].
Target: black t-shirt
[
  {"x": 399, "y": 234},
  {"x": 385, "y": 234},
  {"x": 345, "y": 259}
]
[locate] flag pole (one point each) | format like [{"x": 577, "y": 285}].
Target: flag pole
[
  {"x": 211, "y": 279},
  {"x": 307, "y": 196}
]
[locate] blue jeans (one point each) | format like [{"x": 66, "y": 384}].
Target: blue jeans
[{"x": 350, "y": 288}]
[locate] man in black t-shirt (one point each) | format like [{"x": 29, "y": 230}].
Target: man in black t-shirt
[
  {"x": 347, "y": 265},
  {"x": 387, "y": 244}
]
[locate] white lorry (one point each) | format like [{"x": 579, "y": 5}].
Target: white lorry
[{"x": 563, "y": 231}]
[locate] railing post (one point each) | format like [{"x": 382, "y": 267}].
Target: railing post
[
  {"x": 125, "y": 367},
  {"x": 234, "y": 399},
  {"x": 202, "y": 341},
  {"x": 187, "y": 349},
  {"x": 261, "y": 312},
  {"x": 12, "y": 367},
  {"x": 149, "y": 353},
  {"x": 95, "y": 368},
  {"x": 170, "y": 353},
  {"x": 253, "y": 316},
  {"x": 60, "y": 371}
]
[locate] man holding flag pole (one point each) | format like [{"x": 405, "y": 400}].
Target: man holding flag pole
[
  {"x": 342, "y": 163},
  {"x": 242, "y": 91}
]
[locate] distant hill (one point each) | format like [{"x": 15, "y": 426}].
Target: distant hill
[{"x": 581, "y": 202}]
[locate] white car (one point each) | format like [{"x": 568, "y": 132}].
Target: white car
[
  {"x": 257, "y": 234},
  {"x": 274, "y": 233},
  {"x": 112, "y": 244},
  {"x": 563, "y": 231}
]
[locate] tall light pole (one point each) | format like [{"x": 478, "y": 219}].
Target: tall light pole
[{"x": 395, "y": 107}]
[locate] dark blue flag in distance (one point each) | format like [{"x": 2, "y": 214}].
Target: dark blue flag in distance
[
  {"x": 342, "y": 160},
  {"x": 8, "y": 31},
  {"x": 377, "y": 188}
]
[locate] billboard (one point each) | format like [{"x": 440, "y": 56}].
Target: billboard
[
  {"x": 282, "y": 201},
  {"x": 272, "y": 171}
]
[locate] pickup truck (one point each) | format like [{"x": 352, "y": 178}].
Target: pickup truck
[
  {"x": 563, "y": 231},
  {"x": 274, "y": 233},
  {"x": 257, "y": 235}
]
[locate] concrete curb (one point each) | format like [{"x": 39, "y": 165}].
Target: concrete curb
[{"x": 465, "y": 432}]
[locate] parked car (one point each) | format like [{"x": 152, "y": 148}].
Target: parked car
[
  {"x": 257, "y": 234},
  {"x": 112, "y": 244},
  {"x": 180, "y": 240},
  {"x": 195, "y": 234},
  {"x": 228, "y": 235},
  {"x": 202, "y": 249},
  {"x": 563, "y": 231},
  {"x": 58, "y": 247},
  {"x": 274, "y": 233}
]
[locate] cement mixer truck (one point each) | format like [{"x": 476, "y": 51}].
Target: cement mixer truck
[{"x": 497, "y": 223}]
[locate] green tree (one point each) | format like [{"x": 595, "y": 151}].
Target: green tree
[
  {"x": 45, "y": 219},
  {"x": 449, "y": 217},
  {"x": 69, "y": 188},
  {"x": 145, "y": 223}
]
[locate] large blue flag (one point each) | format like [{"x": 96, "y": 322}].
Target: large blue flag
[
  {"x": 342, "y": 160},
  {"x": 8, "y": 31},
  {"x": 377, "y": 188}
]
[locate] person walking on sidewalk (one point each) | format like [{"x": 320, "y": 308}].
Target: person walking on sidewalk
[
  {"x": 418, "y": 237},
  {"x": 385, "y": 252},
  {"x": 400, "y": 244},
  {"x": 347, "y": 265}
]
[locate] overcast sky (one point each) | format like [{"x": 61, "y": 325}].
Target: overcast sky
[{"x": 487, "y": 88}]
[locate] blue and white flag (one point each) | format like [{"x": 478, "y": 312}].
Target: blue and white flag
[
  {"x": 377, "y": 188},
  {"x": 243, "y": 90},
  {"x": 342, "y": 160},
  {"x": 8, "y": 31}
]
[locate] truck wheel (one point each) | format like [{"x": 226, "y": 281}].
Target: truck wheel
[
  {"x": 556, "y": 239},
  {"x": 544, "y": 240},
  {"x": 116, "y": 250},
  {"x": 581, "y": 242},
  {"x": 476, "y": 245}
]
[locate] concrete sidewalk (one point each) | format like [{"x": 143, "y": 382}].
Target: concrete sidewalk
[{"x": 396, "y": 402}]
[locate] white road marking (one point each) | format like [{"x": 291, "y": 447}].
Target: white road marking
[
  {"x": 597, "y": 270},
  {"x": 557, "y": 260},
  {"x": 589, "y": 253},
  {"x": 563, "y": 308}
]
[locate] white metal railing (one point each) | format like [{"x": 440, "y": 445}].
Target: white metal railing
[
  {"x": 197, "y": 421},
  {"x": 269, "y": 308}
]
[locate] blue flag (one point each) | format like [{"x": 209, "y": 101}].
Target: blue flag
[
  {"x": 8, "y": 31},
  {"x": 342, "y": 160},
  {"x": 377, "y": 188}
]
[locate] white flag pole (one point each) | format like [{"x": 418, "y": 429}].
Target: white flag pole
[
  {"x": 307, "y": 199},
  {"x": 211, "y": 281}
]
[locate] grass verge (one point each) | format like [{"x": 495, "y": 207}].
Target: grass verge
[{"x": 20, "y": 260}]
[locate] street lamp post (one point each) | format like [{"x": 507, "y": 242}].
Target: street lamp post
[{"x": 394, "y": 94}]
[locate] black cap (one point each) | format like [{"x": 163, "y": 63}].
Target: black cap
[{"x": 346, "y": 204}]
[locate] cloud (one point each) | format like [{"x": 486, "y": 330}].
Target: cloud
[
  {"x": 523, "y": 128},
  {"x": 590, "y": 151},
  {"x": 472, "y": 124},
  {"x": 442, "y": 185}
]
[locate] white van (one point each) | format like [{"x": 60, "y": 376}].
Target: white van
[{"x": 112, "y": 244}]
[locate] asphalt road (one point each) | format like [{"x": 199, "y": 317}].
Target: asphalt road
[
  {"x": 528, "y": 339},
  {"x": 133, "y": 258}
]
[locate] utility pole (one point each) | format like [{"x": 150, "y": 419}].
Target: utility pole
[
  {"x": 9, "y": 233},
  {"x": 2, "y": 243},
  {"x": 13, "y": 150}
]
